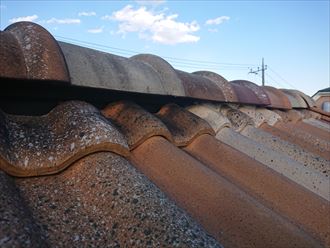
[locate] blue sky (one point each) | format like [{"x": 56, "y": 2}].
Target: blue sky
[{"x": 227, "y": 37}]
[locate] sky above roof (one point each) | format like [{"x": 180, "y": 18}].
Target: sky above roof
[{"x": 227, "y": 37}]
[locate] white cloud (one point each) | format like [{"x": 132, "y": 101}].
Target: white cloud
[
  {"x": 91, "y": 13},
  {"x": 24, "y": 19},
  {"x": 217, "y": 21},
  {"x": 63, "y": 21},
  {"x": 151, "y": 2},
  {"x": 95, "y": 30},
  {"x": 157, "y": 27},
  {"x": 213, "y": 30},
  {"x": 107, "y": 18}
]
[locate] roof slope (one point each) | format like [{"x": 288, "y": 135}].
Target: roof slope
[{"x": 132, "y": 152}]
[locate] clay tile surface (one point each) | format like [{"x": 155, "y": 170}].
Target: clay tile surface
[
  {"x": 92, "y": 68},
  {"x": 289, "y": 116},
  {"x": 170, "y": 81},
  {"x": 209, "y": 113},
  {"x": 296, "y": 100},
  {"x": 220, "y": 163},
  {"x": 238, "y": 119},
  {"x": 11, "y": 57},
  {"x": 309, "y": 101},
  {"x": 223, "y": 84},
  {"x": 200, "y": 87},
  {"x": 260, "y": 97},
  {"x": 183, "y": 125},
  {"x": 137, "y": 124},
  {"x": 277, "y": 98},
  {"x": 39, "y": 145},
  {"x": 100, "y": 201},
  {"x": 43, "y": 58}
]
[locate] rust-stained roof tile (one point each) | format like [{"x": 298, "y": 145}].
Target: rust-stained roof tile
[
  {"x": 222, "y": 83},
  {"x": 289, "y": 116},
  {"x": 200, "y": 87},
  {"x": 228, "y": 213},
  {"x": 137, "y": 124},
  {"x": 283, "y": 164},
  {"x": 183, "y": 125},
  {"x": 17, "y": 228},
  {"x": 302, "y": 207},
  {"x": 293, "y": 151},
  {"x": 260, "y": 97},
  {"x": 42, "y": 56},
  {"x": 103, "y": 201},
  {"x": 305, "y": 137},
  {"x": 277, "y": 98},
  {"x": 40, "y": 145},
  {"x": 11, "y": 57},
  {"x": 310, "y": 145}
]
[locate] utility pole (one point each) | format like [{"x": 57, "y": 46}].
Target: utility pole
[{"x": 263, "y": 68}]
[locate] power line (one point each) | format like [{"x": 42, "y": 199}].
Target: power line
[
  {"x": 189, "y": 62},
  {"x": 275, "y": 81},
  {"x": 279, "y": 76}
]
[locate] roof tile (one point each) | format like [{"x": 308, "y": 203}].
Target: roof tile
[
  {"x": 260, "y": 96},
  {"x": 39, "y": 145},
  {"x": 137, "y": 124},
  {"x": 222, "y": 83},
  {"x": 42, "y": 55},
  {"x": 228, "y": 213},
  {"x": 277, "y": 98},
  {"x": 269, "y": 187},
  {"x": 102, "y": 200},
  {"x": 183, "y": 125}
]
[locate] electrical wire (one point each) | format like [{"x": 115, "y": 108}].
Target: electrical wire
[
  {"x": 177, "y": 61},
  {"x": 280, "y": 77}
]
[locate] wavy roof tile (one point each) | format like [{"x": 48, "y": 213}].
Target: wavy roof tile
[
  {"x": 40, "y": 145},
  {"x": 224, "y": 163}
]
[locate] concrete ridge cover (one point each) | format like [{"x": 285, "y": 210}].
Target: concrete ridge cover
[
  {"x": 184, "y": 125},
  {"x": 97, "y": 69},
  {"x": 170, "y": 80},
  {"x": 296, "y": 100},
  {"x": 277, "y": 98},
  {"x": 136, "y": 123},
  {"x": 11, "y": 57},
  {"x": 200, "y": 87},
  {"x": 224, "y": 85},
  {"x": 42, "y": 56},
  {"x": 258, "y": 91},
  {"x": 40, "y": 145}
]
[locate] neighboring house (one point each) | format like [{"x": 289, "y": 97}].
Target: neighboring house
[
  {"x": 322, "y": 99},
  {"x": 99, "y": 150}
]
